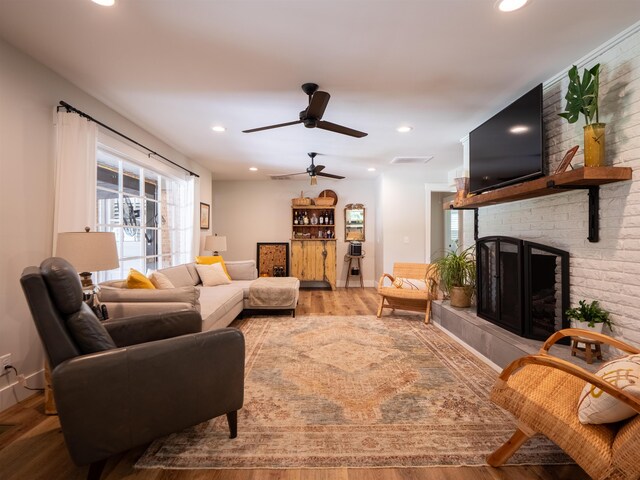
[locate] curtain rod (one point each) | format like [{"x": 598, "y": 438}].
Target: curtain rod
[{"x": 69, "y": 108}]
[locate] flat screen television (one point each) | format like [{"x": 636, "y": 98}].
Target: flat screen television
[{"x": 509, "y": 147}]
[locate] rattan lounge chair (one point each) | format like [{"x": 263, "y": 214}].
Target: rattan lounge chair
[
  {"x": 422, "y": 276},
  {"x": 542, "y": 392}
]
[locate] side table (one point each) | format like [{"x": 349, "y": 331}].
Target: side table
[{"x": 356, "y": 265}]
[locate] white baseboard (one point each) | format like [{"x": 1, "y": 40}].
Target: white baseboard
[{"x": 11, "y": 392}]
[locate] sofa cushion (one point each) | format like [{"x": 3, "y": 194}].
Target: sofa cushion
[
  {"x": 188, "y": 294},
  {"x": 136, "y": 279},
  {"x": 211, "y": 260},
  {"x": 212, "y": 275},
  {"x": 179, "y": 276},
  {"x": 218, "y": 300},
  {"x": 242, "y": 270}
]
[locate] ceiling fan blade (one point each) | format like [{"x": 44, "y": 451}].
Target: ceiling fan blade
[
  {"x": 334, "y": 127},
  {"x": 318, "y": 104},
  {"x": 287, "y": 175},
  {"x": 271, "y": 126},
  {"x": 329, "y": 175},
  {"x": 318, "y": 168}
]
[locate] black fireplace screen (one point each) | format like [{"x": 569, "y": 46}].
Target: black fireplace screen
[{"x": 522, "y": 286}]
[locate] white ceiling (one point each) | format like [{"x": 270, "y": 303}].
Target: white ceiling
[{"x": 178, "y": 67}]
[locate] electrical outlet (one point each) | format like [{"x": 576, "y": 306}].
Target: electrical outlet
[{"x": 5, "y": 360}]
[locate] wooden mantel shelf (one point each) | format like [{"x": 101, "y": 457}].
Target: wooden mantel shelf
[
  {"x": 589, "y": 178},
  {"x": 550, "y": 185}
]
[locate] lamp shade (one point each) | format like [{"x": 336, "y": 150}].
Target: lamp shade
[
  {"x": 88, "y": 251},
  {"x": 216, "y": 243}
]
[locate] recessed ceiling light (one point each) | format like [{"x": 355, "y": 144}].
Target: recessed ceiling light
[
  {"x": 371, "y": 169},
  {"x": 510, "y": 5},
  {"x": 218, "y": 128},
  {"x": 404, "y": 129},
  {"x": 105, "y": 3},
  {"x": 253, "y": 169},
  {"x": 519, "y": 129}
]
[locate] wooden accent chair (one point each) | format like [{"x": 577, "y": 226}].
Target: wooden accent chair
[
  {"x": 412, "y": 275},
  {"x": 542, "y": 392}
]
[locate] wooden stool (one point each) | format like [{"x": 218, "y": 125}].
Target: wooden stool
[{"x": 590, "y": 347}]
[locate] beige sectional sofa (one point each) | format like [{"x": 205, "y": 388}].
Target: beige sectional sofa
[{"x": 218, "y": 305}]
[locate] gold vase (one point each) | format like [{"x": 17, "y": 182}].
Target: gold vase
[{"x": 594, "y": 145}]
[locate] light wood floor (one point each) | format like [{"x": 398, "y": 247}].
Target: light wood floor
[{"x": 34, "y": 448}]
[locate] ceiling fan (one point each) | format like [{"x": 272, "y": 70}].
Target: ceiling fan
[
  {"x": 314, "y": 171},
  {"x": 311, "y": 116}
]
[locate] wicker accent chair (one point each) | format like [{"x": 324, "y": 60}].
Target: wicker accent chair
[
  {"x": 415, "y": 300},
  {"x": 542, "y": 392}
]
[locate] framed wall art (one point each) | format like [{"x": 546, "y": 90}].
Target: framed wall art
[{"x": 204, "y": 216}]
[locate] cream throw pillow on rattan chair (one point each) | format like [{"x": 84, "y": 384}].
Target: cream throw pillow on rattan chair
[
  {"x": 596, "y": 406},
  {"x": 409, "y": 283},
  {"x": 212, "y": 275}
]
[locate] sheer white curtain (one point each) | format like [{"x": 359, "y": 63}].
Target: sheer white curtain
[
  {"x": 194, "y": 195},
  {"x": 75, "y": 174}
]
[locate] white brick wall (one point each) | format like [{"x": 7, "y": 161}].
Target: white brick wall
[{"x": 609, "y": 270}]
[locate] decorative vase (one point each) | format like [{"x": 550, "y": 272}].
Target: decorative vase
[
  {"x": 594, "y": 145},
  {"x": 460, "y": 296}
]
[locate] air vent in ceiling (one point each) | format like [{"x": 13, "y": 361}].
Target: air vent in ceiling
[{"x": 411, "y": 160}]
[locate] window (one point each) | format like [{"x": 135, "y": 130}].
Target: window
[{"x": 150, "y": 213}]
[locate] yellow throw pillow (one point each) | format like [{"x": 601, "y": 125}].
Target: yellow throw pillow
[
  {"x": 210, "y": 260},
  {"x": 135, "y": 279}
]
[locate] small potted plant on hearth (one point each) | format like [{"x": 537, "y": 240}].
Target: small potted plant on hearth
[
  {"x": 457, "y": 275},
  {"x": 589, "y": 316}
]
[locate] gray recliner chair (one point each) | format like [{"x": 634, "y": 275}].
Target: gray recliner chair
[{"x": 122, "y": 383}]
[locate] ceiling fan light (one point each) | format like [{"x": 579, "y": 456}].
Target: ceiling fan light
[
  {"x": 105, "y": 3},
  {"x": 510, "y": 5},
  {"x": 404, "y": 128},
  {"x": 314, "y": 180}
]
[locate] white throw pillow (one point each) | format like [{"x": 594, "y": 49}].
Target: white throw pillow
[
  {"x": 596, "y": 406},
  {"x": 160, "y": 280},
  {"x": 212, "y": 275}
]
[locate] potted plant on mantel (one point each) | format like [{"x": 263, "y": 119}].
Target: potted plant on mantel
[
  {"x": 582, "y": 98},
  {"x": 589, "y": 316},
  {"x": 457, "y": 275}
]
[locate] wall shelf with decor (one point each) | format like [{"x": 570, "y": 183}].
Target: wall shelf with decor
[
  {"x": 589, "y": 179},
  {"x": 311, "y": 229}
]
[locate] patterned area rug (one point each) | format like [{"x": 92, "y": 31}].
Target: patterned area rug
[{"x": 353, "y": 392}]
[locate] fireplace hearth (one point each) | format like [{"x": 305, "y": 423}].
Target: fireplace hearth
[{"x": 522, "y": 286}]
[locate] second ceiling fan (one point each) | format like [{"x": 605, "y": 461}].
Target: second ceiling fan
[
  {"x": 311, "y": 116},
  {"x": 312, "y": 170}
]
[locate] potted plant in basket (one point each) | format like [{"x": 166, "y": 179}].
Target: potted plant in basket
[
  {"x": 457, "y": 275},
  {"x": 582, "y": 98},
  {"x": 589, "y": 316}
]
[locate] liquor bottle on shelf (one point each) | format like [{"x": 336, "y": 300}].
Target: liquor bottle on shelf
[
  {"x": 330, "y": 218},
  {"x": 321, "y": 219},
  {"x": 326, "y": 218},
  {"x": 295, "y": 218},
  {"x": 305, "y": 218},
  {"x": 314, "y": 219}
]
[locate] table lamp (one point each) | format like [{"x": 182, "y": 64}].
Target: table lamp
[
  {"x": 88, "y": 252},
  {"x": 216, "y": 244}
]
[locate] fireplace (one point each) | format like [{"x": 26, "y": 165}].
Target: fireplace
[{"x": 522, "y": 286}]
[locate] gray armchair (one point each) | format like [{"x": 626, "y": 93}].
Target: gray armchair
[{"x": 122, "y": 383}]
